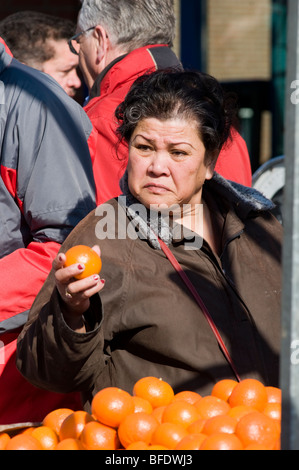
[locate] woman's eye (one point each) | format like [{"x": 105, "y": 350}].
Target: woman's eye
[
  {"x": 143, "y": 147},
  {"x": 178, "y": 153}
]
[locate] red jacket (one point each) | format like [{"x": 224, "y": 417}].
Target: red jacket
[{"x": 109, "y": 90}]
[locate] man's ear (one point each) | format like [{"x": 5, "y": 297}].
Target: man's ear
[{"x": 102, "y": 43}]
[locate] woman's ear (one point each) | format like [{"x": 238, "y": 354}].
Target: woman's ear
[
  {"x": 211, "y": 161},
  {"x": 102, "y": 43}
]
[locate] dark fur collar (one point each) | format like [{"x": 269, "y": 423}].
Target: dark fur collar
[{"x": 245, "y": 201}]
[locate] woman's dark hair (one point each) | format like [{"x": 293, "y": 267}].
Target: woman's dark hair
[{"x": 186, "y": 94}]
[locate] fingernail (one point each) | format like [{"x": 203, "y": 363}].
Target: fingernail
[
  {"x": 96, "y": 277},
  {"x": 59, "y": 257},
  {"x": 81, "y": 267},
  {"x": 103, "y": 281}
]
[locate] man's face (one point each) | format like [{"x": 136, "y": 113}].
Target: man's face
[{"x": 63, "y": 67}]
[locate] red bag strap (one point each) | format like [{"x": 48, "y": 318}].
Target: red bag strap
[{"x": 200, "y": 302}]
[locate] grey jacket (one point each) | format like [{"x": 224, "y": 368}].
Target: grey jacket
[{"x": 46, "y": 183}]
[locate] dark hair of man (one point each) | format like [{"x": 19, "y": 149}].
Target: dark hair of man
[
  {"x": 189, "y": 95},
  {"x": 27, "y": 32}
]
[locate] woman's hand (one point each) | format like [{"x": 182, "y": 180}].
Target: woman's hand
[{"x": 75, "y": 293}]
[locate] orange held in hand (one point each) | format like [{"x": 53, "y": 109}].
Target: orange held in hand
[{"x": 81, "y": 254}]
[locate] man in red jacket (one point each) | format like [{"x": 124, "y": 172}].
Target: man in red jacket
[
  {"x": 117, "y": 42},
  {"x": 46, "y": 188}
]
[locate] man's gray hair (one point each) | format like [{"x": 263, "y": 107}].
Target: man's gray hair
[{"x": 131, "y": 23}]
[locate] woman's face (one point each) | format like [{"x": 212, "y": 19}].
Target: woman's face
[{"x": 167, "y": 162}]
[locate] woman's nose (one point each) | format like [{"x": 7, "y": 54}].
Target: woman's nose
[{"x": 159, "y": 164}]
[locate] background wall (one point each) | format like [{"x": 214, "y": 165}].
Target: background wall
[
  {"x": 64, "y": 8},
  {"x": 239, "y": 38}
]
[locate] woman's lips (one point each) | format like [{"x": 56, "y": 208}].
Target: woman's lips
[{"x": 156, "y": 188}]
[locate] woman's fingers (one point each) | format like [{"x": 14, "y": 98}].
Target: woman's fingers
[
  {"x": 76, "y": 292},
  {"x": 83, "y": 286},
  {"x": 65, "y": 275},
  {"x": 58, "y": 261}
]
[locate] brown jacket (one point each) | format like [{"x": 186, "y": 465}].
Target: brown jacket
[{"x": 145, "y": 321}]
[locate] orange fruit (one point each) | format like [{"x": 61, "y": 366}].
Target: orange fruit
[
  {"x": 28, "y": 430},
  {"x": 138, "y": 445},
  {"x": 137, "y": 427},
  {"x": 239, "y": 411},
  {"x": 23, "y": 442},
  {"x": 156, "y": 447},
  {"x": 111, "y": 405},
  {"x": 273, "y": 410},
  {"x": 74, "y": 424},
  {"x": 273, "y": 394},
  {"x": 277, "y": 445},
  {"x": 249, "y": 392},
  {"x": 98, "y": 436},
  {"x": 256, "y": 447},
  {"x": 222, "y": 441},
  {"x": 224, "y": 388},
  {"x": 82, "y": 254},
  {"x": 256, "y": 428},
  {"x": 158, "y": 412},
  {"x": 180, "y": 412},
  {"x": 4, "y": 439},
  {"x": 156, "y": 391},
  {"x": 210, "y": 406},
  {"x": 187, "y": 395},
  {"x": 221, "y": 423},
  {"x": 141, "y": 404},
  {"x": 70, "y": 444},
  {"x": 46, "y": 436},
  {"x": 169, "y": 435},
  {"x": 55, "y": 418},
  {"x": 191, "y": 442},
  {"x": 197, "y": 426}
]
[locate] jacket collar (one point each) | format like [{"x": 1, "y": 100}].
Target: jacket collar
[
  {"x": 96, "y": 88},
  {"x": 136, "y": 62},
  {"x": 244, "y": 201}
]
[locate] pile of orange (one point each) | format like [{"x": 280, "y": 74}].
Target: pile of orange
[{"x": 242, "y": 415}]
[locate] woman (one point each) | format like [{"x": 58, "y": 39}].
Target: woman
[{"x": 84, "y": 335}]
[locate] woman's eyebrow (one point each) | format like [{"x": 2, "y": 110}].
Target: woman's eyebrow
[{"x": 170, "y": 143}]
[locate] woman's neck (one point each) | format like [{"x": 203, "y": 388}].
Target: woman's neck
[{"x": 199, "y": 219}]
